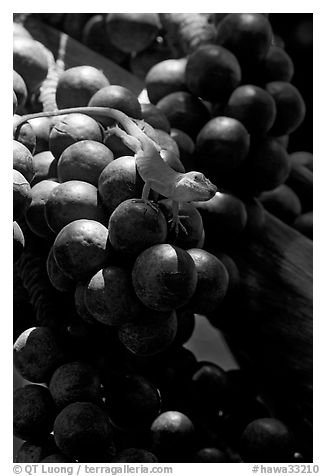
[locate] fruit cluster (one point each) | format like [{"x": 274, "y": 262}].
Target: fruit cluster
[{"x": 117, "y": 382}]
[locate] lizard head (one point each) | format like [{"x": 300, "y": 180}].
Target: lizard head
[{"x": 196, "y": 187}]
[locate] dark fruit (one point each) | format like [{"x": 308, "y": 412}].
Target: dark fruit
[
  {"x": 283, "y": 202},
  {"x": 277, "y": 65},
  {"x": 212, "y": 73},
  {"x": 35, "y": 214},
  {"x": 155, "y": 117},
  {"x": 84, "y": 161},
  {"x": 25, "y": 134},
  {"x": 210, "y": 455},
  {"x": 266, "y": 439},
  {"x": 75, "y": 382},
  {"x": 165, "y": 78},
  {"x": 184, "y": 111},
  {"x": 83, "y": 431},
  {"x": 37, "y": 354},
  {"x": 134, "y": 455},
  {"x": 23, "y": 161},
  {"x": 253, "y": 107},
  {"x": 20, "y": 90},
  {"x": 164, "y": 277},
  {"x": 290, "y": 107},
  {"x": 57, "y": 278},
  {"x": 304, "y": 224},
  {"x": 135, "y": 225},
  {"x": 22, "y": 195},
  {"x": 45, "y": 167},
  {"x": 35, "y": 452},
  {"x": 18, "y": 242}
]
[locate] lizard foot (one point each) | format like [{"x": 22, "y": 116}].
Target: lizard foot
[
  {"x": 151, "y": 204},
  {"x": 175, "y": 224}
]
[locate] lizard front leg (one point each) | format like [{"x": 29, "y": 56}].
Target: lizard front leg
[
  {"x": 175, "y": 220},
  {"x": 145, "y": 196}
]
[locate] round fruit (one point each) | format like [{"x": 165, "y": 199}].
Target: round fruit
[
  {"x": 266, "y": 439},
  {"x": 135, "y": 225},
  {"x": 20, "y": 90},
  {"x": 57, "y": 278},
  {"x": 150, "y": 334},
  {"x": 173, "y": 436},
  {"x": 208, "y": 387},
  {"x": 247, "y": 35},
  {"x": 184, "y": 111},
  {"x": 73, "y": 200},
  {"x": 25, "y": 135},
  {"x": 77, "y": 85},
  {"x": 304, "y": 224},
  {"x": 110, "y": 298},
  {"x": 83, "y": 431},
  {"x": 290, "y": 107},
  {"x": 34, "y": 413},
  {"x": 30, "y": 61},
  {"x": 134, "y": 455},
  {"x": 221, "y": 147},
  {"x": 166, "y": 77},
  {"x": 84, "y": 160},
  {"x": 164, "y": 277},
  {"x": 119, "y": 181},
  {"x": 37, "y": 354},
  {"x": 18, "y": 241},
  {"x": 73, "y": 128},
  {"x": 253, "y": 107},
  {"x": 212, "y": 283},
  {"x": 82, "y": 248},
  {"x": 212, "y": 73},
  {"x": 20, "y": 30},
  {"x": 268, "y": 165},
  {"x": 42, "y": 128},
  {"x": 277, "y": 65},
  {"x": 75, "y": 382},
  {"x": 132, "y": 32},
  {"x": 132, "y": 401},
  {"x": 35, "y": 214},
  {"x": 56, "y": 458},
  {"x": 23, "y": 161},
  {"x": 155, "y": 117},
  {"x": 80, "y": 304},
  {"x": 15, "y": 102},
  {"x": 45, "y": 167},
  {"x": 35, "y": 452},
  {"x": 210, "y": 455},
  {"x": 22, "y": 195},
  {"x": 283, "y": 202},
  {"x": 186, "y": 148},
  {"x": 117, "y": 97}
]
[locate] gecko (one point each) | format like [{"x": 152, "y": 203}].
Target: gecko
[{"x": 156, "y": 174}]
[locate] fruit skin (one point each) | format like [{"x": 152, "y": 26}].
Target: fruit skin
[
  {"x": 290, "y": 107},
  {"x": 45, "y": 167},
  {"x": 119, "y": 181},
  {"x": 41, "y": 127},
  {"x": 184, "y": 111},
  {"x": 212, "y": 73},
  {"x": 304, "y": 224},
  {"x": 166, "y": 77},
  {"x": 33, "y": 413},
  {"x": 110, "y": 297},
  {"x": 267, "y": 166},
  {"x": 78, "y": 84},
  {"x": 83, "y": 431},
  {"x": 132, "y": 32},
  {"x": 266, "y": 439},
  {"x": 134, "y": 455},
  {"x": 253, "y": 107},
  {"x": 212, "y": 283},
  {"x": 135, "y": 225},
  {"x": 35, "y": 214},
  {"x": 37, "y": 354},
  {"x": 73, "y": 200},
  {"x": 34, "y": 452},
  {"x": 132, "y": 401},
  {"x": 301, "y": 178},
  {"x": 80, "y": 304},
  {"x": 155, "y": 117},
  {"x": 20, "y": 90},
  {"x": 186, "y": 148},
  {"x": 208, "y": 388},
  {"x": 30, "y": 61},
  {"x": 22, "y": 195},
  {"x": 277, "y": 65},
  {"x": 210, "y": 455},
  {"x": 15, "y": 103},
  {"x": 19, "y": 241},
  {"x": 55, "y": 458},
  {"x": 23, "y": 161},
  {"x": 57, "y": 278},
  {"x": 82, "y": 248},
  {"x": 283, "y": 202},
  {"x": 25, "y": 135},
  {"x": 172, "y": 436},
  {"x": 75, "y": 382},
  {"x": 247, "y": 35},
  {"x": 152, "y": 333},
  {"x": 73, "y": 128},
  {"x": 117, "y": 97},
  {"x": 164, "y": 277},
  {"x": 221, "y": 147}
]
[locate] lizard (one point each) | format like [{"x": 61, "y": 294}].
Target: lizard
[{"x": 156, "y": 174}]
